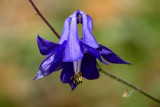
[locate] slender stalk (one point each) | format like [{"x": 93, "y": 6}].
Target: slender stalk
[
  {"x": 44, "y": 19},
  {"x": 99, "y": 68},
  {"x": 129, "y": 84}
]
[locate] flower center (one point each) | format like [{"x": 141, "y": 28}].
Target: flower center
[{"x": 77, "y": 78}]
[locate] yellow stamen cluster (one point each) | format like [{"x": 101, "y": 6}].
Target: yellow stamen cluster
[{"x": 77, "y": 78}]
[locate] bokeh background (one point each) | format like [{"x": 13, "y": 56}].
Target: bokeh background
[{"x": 131, "y": 28}]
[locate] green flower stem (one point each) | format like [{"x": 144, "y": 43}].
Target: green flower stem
[
  {"x": 128, "y": 84},
  {"x": 99, "y": 68}
]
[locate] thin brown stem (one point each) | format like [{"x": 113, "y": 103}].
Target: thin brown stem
[{"x": 44, "y": 19}]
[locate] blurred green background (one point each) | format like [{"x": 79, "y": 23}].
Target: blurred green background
[{"x": 130, "y": 28}]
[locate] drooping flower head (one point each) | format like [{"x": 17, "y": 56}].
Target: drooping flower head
[{"x": 76, "y": 57}]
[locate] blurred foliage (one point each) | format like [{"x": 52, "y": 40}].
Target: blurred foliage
[{"x": 130, "y": 28}]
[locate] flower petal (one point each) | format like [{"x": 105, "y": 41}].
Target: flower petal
[
  {"x": 73, "y": 50},
  {"x": 67, "y": 72},
  {"x": 73, "y": 86},
  {"x": 45, "y": 66},
  {"x": 88, "y": 37},
  {"x": 90, "y": 23},
  {"x": 51, "y": 63},
  {"x": 88, "y": 67},
  {"x": 46, "y": 47},
  {"x": 93, "y": 52},
  {"x": 108, "y": 55},
  {"x": 66, "y": 30}
]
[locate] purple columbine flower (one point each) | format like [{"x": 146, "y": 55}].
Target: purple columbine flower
[{"x": 77, "y": 57}]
